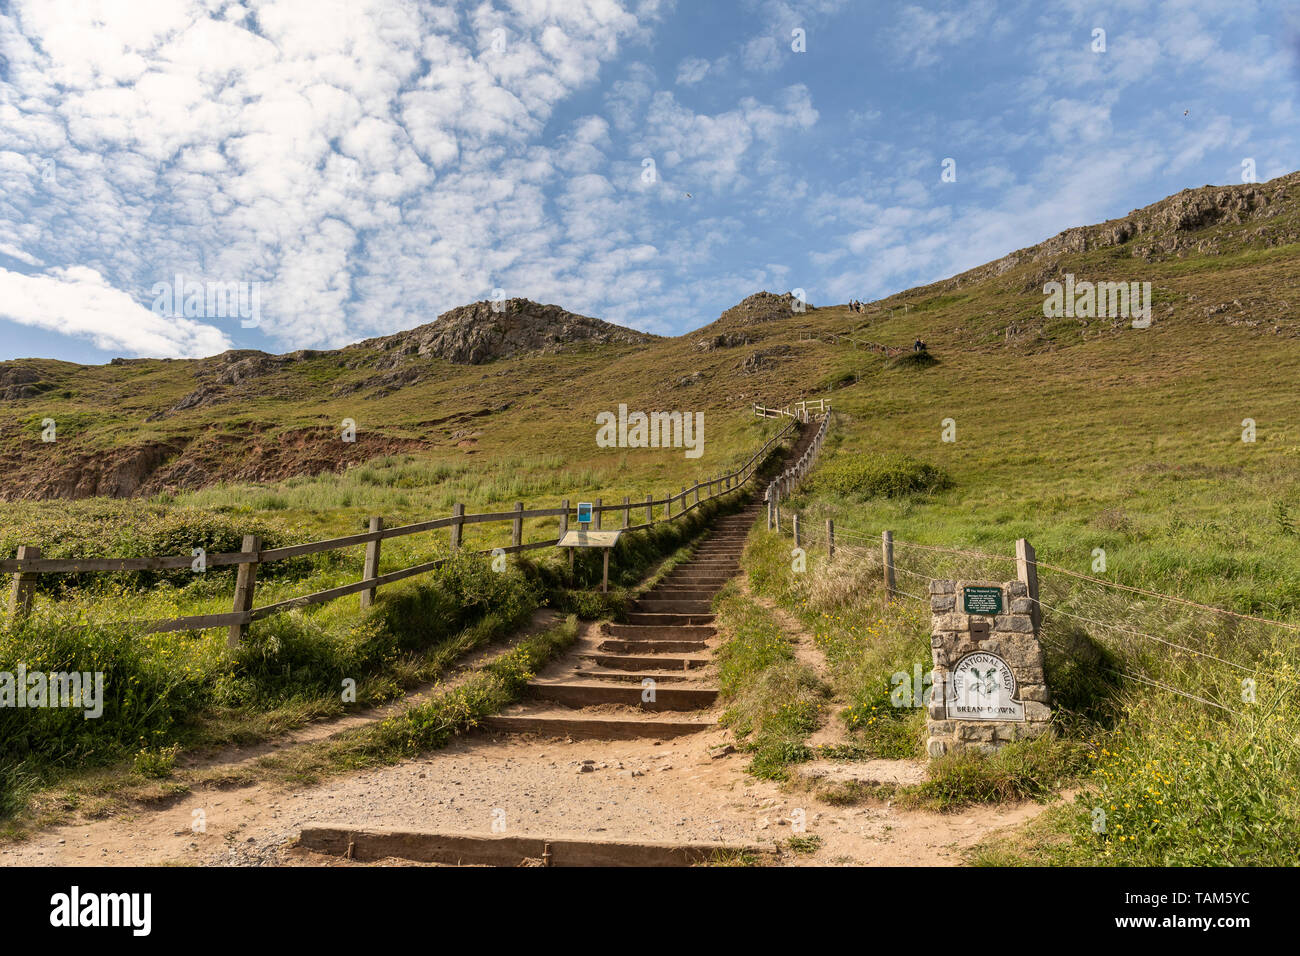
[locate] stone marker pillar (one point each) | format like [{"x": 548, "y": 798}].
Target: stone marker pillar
[{"x": 989, "y": 687}]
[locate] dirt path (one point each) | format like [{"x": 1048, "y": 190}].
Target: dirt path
[
  {"x": 670, "y": 790},
  {"x": 676, "y": 789}
]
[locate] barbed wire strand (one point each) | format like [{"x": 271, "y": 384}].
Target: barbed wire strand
[
  {"x": 1168, "y": 597},
  {"x": 1152, "y": 682},
  {"x": 1161, "y": 640}
]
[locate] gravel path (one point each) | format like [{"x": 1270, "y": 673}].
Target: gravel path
[{"x": 672, "y": 790}]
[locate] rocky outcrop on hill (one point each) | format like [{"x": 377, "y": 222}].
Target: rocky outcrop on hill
[
  {"x": 723, "y": 340},
  {"x": 478, "y": 333},
  {"x": 1167, "y": 229},
  {"x": 222, "y": 377},
  {"x": 18, "y": 381},
  {"x": 763, "y": 307},
  {"x": 763, "y": 359}
]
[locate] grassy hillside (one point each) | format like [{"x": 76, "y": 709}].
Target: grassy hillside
[{"x": 1078, "y": 434}]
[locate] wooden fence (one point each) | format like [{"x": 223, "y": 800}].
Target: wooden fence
[
  {"x": 799, "y": 410},
  {"x": 879, "y": 347},
  {"x": 29, "y": 562},
  {"x": 781, "y": 486}
]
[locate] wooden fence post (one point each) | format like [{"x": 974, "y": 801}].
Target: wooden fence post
[
  {"x": 668, "y": 506},
  {"x": 795, "y": 521},
  {"x": 697, "y": 491},
  {"x": 24, "y": 585},
  {"x": 371, "y": 568},
  {"x": 1027, "y": 572},
  {"x": 887, "y": 554},
  {"x": 457, "y": 513},
  {"x": 769, "y": 513},
  {"x": 830, "y": 538},
  {"x": 564, "y": 527},
  {"x": 517, "y": 535},
  {"x": 245, "y": 582},
  {"x": 649, "y": 509},
  {"x": 595, "y": 514},
  {"x": 627, "y": 512}
]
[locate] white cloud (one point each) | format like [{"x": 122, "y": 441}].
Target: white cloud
[
  {"x": 13, "y": 252},
  {"x": 692, "y": 70},
  {"x": 79, "y": 302},
  {"x": 286, "y": 149}
]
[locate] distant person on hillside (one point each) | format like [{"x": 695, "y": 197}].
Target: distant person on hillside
[{"x": 918, "y": 346}]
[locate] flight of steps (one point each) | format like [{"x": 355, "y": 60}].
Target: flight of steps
[{"x": 597, "y": 691}]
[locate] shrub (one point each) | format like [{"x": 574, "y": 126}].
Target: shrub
[
  {"x": 881, "y": 475},
  {"x": 912, "y": 360},
  {"x": 1031, "y": 769}
]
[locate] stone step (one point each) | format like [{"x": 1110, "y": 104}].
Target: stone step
[
  {"x": 652, "y": 632},
  {"x": 681, "y": 593},
  {"x": 662, "y": 619},
  {"x": 616, "y": 646},
  {"x": 636, "y": 677},
  {"x": 595, "y": 728},
  {"x": 644, "y": 662},
  {"x": 573, "y": 694},
  {"x": 674, "y": 606}
]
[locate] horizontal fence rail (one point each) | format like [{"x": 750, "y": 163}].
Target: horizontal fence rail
[{"x": 29, "y": 563}]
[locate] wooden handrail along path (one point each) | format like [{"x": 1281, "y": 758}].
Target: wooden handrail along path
[
  {"x": 29, "y": 562},
  {"x": 781, "y": 486}
]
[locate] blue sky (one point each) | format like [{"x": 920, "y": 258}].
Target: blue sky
[{"x": 369, "y": 164}]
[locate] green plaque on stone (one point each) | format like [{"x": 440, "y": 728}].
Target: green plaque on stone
[{"x": 982, "y": 600}]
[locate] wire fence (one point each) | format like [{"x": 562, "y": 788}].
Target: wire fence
[{"x": 925, "y": 563}]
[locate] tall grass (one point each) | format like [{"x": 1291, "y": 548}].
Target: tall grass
[{"x": 773, "y": 701}]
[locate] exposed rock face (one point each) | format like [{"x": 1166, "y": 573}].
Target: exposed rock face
[
  {"x": 117, "y": 474},
  {"x": 763, "y": 359},
  {"x": 763, "y": 307},
  {"x": 17, "y": 381},
  {"x": 1163, "y": 230},
  {"x": 220, "y": 376},
  {"x": 475, "y": 334},
  {"x": 723, "y": 340}
]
